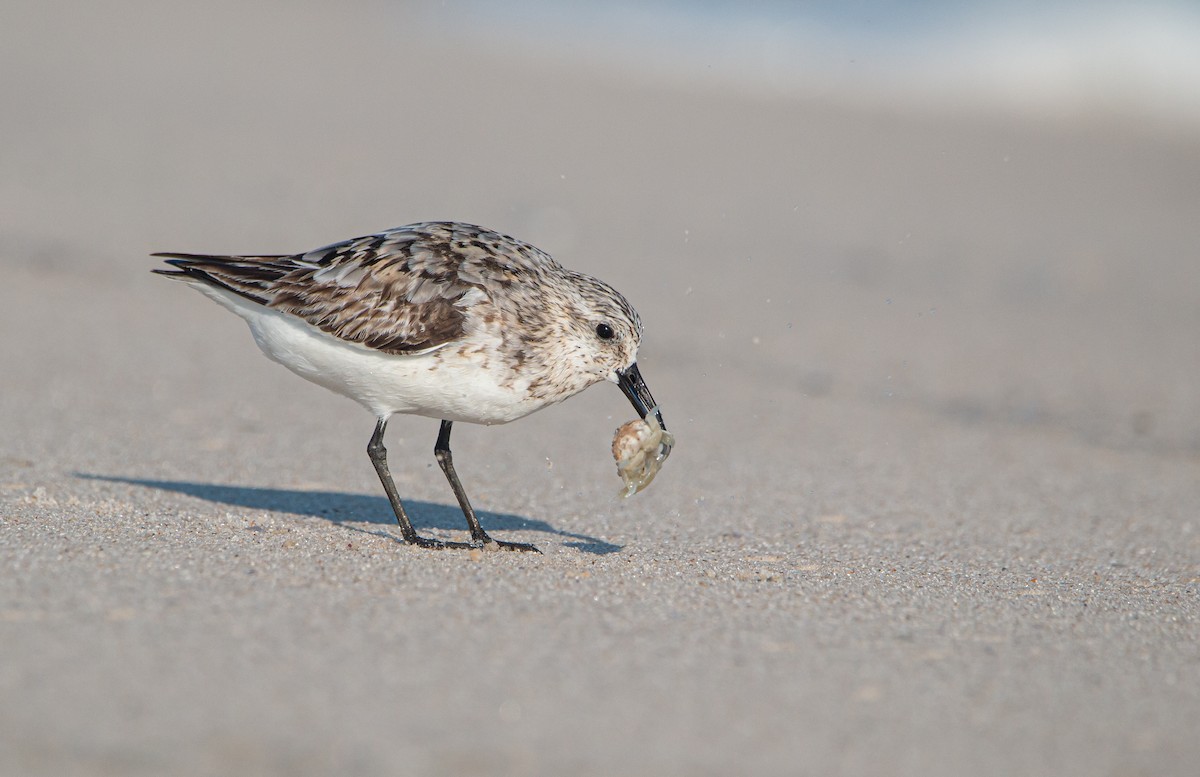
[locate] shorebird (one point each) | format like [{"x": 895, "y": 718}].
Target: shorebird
[{"x": 439, "y": 319}]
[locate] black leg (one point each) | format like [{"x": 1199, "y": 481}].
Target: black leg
[
  {"x": 479, "y": 538},
  {"x": 378, "y": 456}
]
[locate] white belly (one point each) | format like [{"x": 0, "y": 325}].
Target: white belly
[{"x": 434, "y": 384}]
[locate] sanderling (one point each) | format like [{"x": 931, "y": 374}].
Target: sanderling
[{"x": 444, "y": 320}]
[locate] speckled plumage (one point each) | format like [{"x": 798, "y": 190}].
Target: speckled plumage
[{"x": 441, "y": 319}]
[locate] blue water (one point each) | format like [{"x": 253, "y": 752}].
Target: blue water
[{"x": 1136, "y": 58}]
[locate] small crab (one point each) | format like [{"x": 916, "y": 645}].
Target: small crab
[{"x": 640, "y": 447}]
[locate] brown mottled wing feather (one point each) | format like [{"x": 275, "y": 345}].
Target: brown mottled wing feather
[
  {"x": 378, "y": 291},
  {"x": 402, "y": 291},
  {"x": 397, "y": 292}
]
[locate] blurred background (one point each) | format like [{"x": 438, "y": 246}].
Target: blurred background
[{"x": 1051, "y": 60}]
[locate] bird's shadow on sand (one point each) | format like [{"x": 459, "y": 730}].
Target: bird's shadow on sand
[{"x": 344, "y": 509}]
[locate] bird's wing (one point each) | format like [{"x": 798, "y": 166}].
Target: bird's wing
[{"x": 398, "y": 292}]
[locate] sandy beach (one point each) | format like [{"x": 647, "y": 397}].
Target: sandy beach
[{"x": 934, "y": 377}]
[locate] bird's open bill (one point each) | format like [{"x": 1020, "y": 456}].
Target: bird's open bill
[{"x": 631, "y": 383}]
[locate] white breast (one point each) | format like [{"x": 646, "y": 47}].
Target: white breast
[{"x": 437, "y": 383}]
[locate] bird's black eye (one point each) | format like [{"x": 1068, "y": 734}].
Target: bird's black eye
[{"x": 605, "y": 332}]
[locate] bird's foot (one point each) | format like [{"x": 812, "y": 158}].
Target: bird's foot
[
  {"x": 483, "y": 543},
  {"x": 432, "y": 544},
  {"x": 487, "y": 543}
]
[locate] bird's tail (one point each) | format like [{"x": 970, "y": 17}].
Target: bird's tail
[{"x": 248, "y": 276}]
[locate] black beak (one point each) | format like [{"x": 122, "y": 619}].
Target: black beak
[{"x": 630, "y": 381}]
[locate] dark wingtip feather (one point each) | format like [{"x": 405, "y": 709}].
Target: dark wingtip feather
[
  {"x": 203, "y": 267},
  {"x": 184, "y": 264}
]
